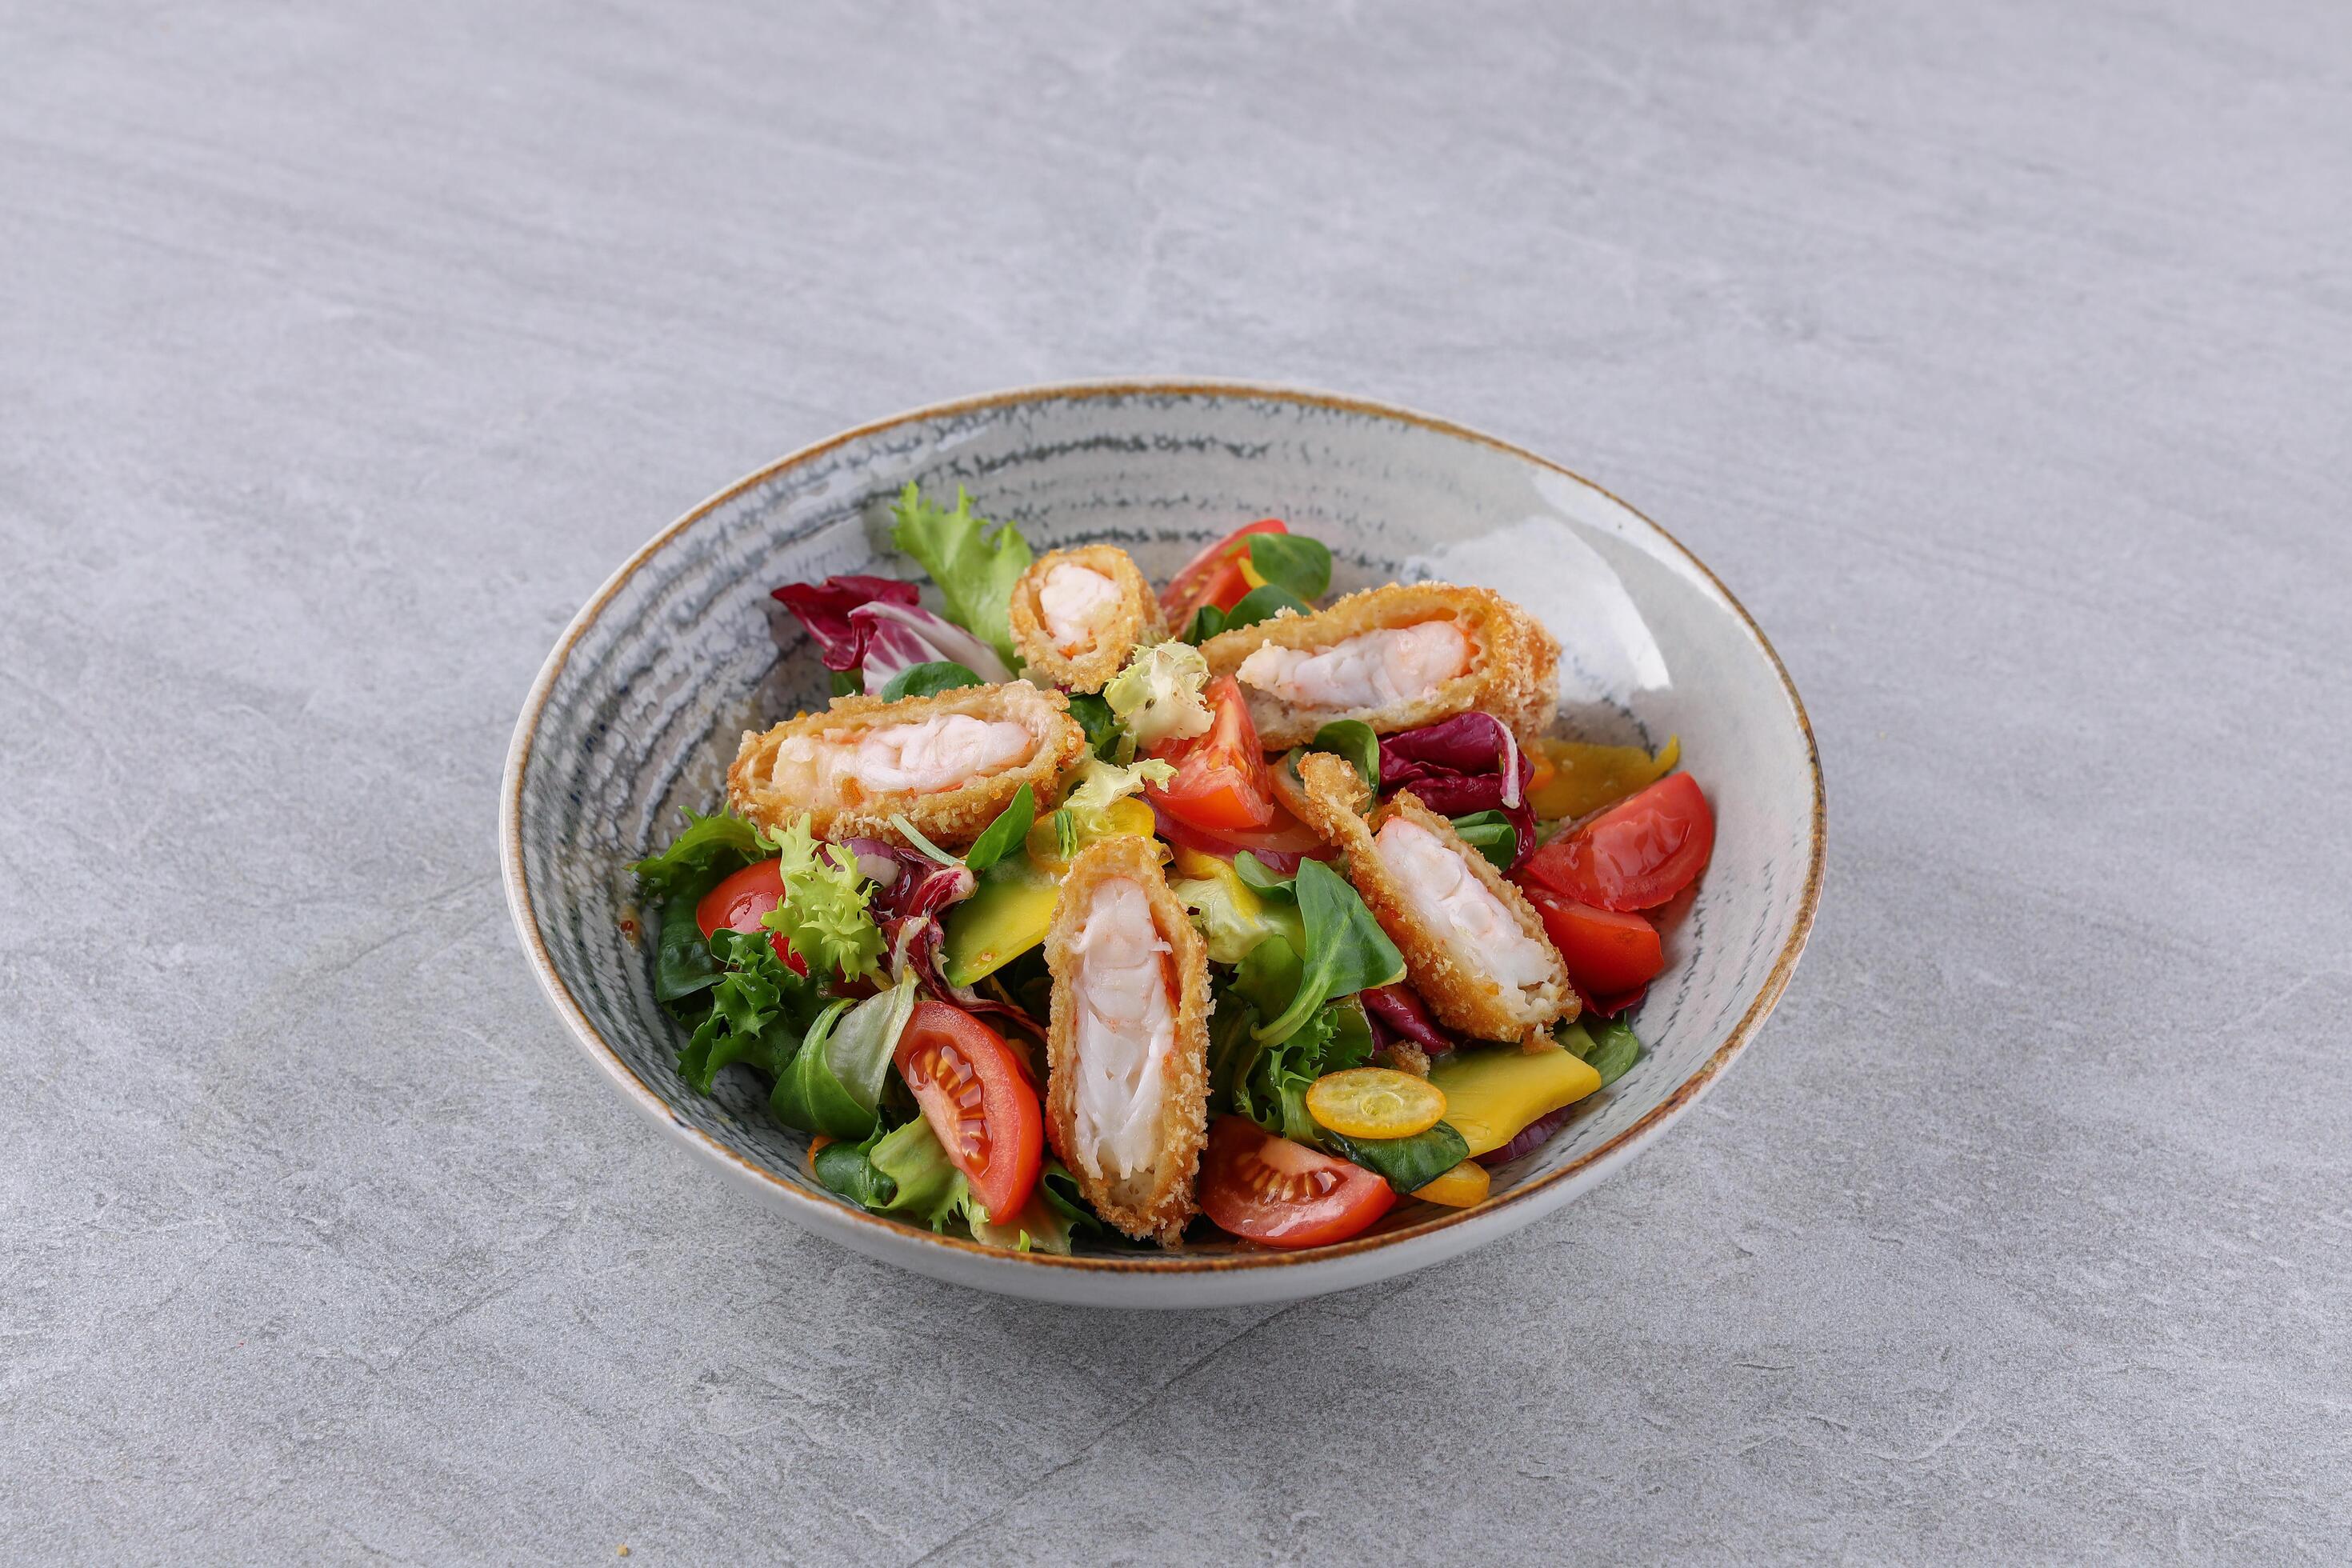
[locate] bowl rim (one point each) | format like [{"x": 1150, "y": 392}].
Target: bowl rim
[{"x": 823, "y": 1214}]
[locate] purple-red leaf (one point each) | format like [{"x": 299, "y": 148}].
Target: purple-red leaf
[{"x": 1458, "y": 766}]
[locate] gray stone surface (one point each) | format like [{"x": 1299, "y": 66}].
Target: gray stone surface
[{"x": 1996, "y": 354}]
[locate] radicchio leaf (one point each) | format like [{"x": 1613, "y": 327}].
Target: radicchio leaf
[
  {"x": 911, "y": 893},
  {"x": 877, "y": 626},
  {"x": 823, "y": 608},
  {"x": 1399, "y": 1010},
  {"x": 1467, "y": 763}
]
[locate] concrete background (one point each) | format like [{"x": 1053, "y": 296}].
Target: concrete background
[{"x": 1995, "y": 354}]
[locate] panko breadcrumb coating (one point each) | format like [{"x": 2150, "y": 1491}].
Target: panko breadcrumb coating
[
  {"x": 1157, "y": 1201},
  {"x": 1457, "y": 987},
  {"x": 1086, "y": 662},
  {"x": 1513, "y": 671},
  {"x": 947, "y": 763}
]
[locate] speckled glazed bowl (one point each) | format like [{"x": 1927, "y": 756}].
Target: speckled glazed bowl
[{"x": 639, "y": 707}]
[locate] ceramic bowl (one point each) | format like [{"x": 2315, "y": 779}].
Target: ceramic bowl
[{"x": 639, "y": 707}]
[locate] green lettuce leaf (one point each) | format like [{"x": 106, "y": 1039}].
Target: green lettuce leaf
[
  {"x": 1292, "y": 562},
  {"x": 710, "y": 848},
  {"x": 1408, "y": 1165},
  {"x": 1352, "y": 739},
  {"x": 849, "y": 1169},
  {"x": 974, "y": 562},
  {"x": 1492, "y": 835},
  {"x": 682, "y": 962},
  {"x": 928, "y": 680},
  {"x": 1614, "y": 1049},
  {"x": 1094, "y": 717},
  {"x": 760, "y": 1011},
  {"x": 1346, "y": 950},
  {"x": 1006, "y": 833},
  {"x": 822, "y": 917},
  {"x": 1263, "y": 604},
  {"x": 834, "y": 1083}
]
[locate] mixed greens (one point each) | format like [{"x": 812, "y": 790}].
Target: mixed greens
[{"x": 892, "y": 995}]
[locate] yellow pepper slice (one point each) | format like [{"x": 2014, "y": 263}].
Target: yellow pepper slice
[
  {"x": 1491, "y": 1094},
  {"x": 1375, "y": 1102},
  {"x": 1459, "y": 1188},
  {"x": 1008, "y": 913},
  {"x": 1573, "y": 779}
]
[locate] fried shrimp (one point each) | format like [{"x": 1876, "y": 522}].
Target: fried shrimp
[
  {"x": 1395, "y": 657},
  {"x": 1076, "y": 615},
  {"x": 1126, "y": 1050},
  {"x": 1474, "y": 948},
  {"x": 947, "y": 763}
]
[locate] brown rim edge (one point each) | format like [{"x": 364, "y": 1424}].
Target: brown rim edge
[{"x": 825, "y": 1213}]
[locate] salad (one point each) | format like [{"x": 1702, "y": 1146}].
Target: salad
[{"x": 1087, "y": 913}]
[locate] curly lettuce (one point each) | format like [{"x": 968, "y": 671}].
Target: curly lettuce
[
  {"x": 822, "y": 917},
  {"x": 1157, "y": 697},
  {"x": 974, "y": 562}
]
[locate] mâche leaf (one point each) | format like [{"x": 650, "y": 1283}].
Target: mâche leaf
[
  {"x": 1001, "y": 837},
  {"x": 1292, "y": 562},
  {"x": 1408, "y": 1165},
  {"x": 1346, "y": 949},
  {"x": 928, "y": 680},
  {"x": 849, "y": 1169},
  {"x": 1094, "y": 717},
  {"x": 1491, "y": 834},
  {"x": 1352, "y": 739},
  {"x": 1263, "y": 604}
]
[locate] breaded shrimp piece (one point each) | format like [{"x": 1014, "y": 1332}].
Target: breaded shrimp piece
[
  {"x": 1076, "y": 615},
  {"x": 1474, "y": 947},
  {"x": 1396, "y": 657},
  {"x": 1126, "y": 1086},
  {"x": 947, "y": 763}
]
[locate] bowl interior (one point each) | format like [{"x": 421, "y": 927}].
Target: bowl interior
[{"x": 639, "y": 709}]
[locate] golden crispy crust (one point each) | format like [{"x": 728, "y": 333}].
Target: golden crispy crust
[
  {"x": 1514, "y": 671},
  {"x": 1458, "y": 993},
  {"x": 1161, "y": 1205},
  {"x": 953, "y": 817},
  {"x": 1137, "y": 620}
]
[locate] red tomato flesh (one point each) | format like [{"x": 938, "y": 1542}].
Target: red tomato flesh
[
  {"x": 976, "y": 1095},
  {"x": 1606, "y": 950},
  {"x": 741, "y": 902},
  {"x": 1270, "y": 1190},
  {"x": 1220, "y": 779},
  {"x": 1634, "y": 855},
  {"x": 1213, "y": 576}
]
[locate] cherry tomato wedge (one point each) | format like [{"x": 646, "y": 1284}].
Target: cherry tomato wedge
[
  {"x": 1270, "y": 1190},
  {"x": 1213, "y": 576},
  {"x": 741, "y": 902},
  {"x": 977, "y": 1096},
  {"x": 1634, "y": 855},
  {"x": 1606, "y": 950},
  {"x": 1221, "y": 779}
]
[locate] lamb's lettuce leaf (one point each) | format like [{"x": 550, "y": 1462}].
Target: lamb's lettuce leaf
[{"x": 1346, "y": 952}]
